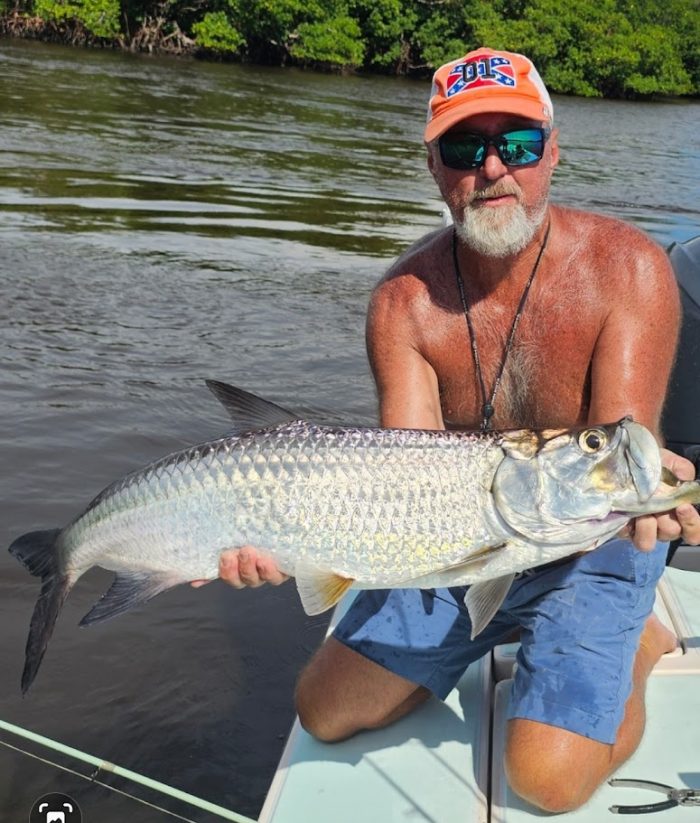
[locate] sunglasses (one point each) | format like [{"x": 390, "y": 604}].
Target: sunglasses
[{"x": 462, "y": 150}]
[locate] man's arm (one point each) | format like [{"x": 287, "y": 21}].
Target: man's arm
[
  {"x": 635, "y": 349},
  {"x": 407, "y": 386},
  {"x": 631, "y": 367}
]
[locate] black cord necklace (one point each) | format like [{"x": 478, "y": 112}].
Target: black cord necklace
[{"x": 487, "y": 407}]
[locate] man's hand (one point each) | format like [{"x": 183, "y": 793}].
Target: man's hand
[
  {"x": 247, "y": 567},
  {"x": 683, "y": 522}
]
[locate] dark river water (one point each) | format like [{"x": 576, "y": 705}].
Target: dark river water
[{"x": 162, "y": 222}]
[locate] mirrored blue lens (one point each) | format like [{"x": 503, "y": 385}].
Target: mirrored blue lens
[{"x": 464, "y": 150}]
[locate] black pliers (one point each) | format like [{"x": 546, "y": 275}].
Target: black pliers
[{"x": 674, "y": 797}]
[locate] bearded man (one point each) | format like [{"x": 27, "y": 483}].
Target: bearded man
[{"x": 520, "y": 314}]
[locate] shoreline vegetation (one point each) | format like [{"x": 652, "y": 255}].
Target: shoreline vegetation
[{"x": 636, "y": 49}]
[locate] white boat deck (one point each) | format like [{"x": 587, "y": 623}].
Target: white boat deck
[
  {"x": 420, "y": 770},
  {"x": 444, "y": 763}
]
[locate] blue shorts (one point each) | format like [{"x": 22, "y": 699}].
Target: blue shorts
[{"x": 580, "y": 620}]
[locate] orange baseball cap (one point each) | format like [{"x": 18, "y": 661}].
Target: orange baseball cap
[{"x": 484, "y": 82}]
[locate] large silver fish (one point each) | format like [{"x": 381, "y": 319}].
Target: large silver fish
[{"x": 343, "y": 508}]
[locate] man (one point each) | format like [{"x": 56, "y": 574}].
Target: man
[{"x": 522, "y": 314}]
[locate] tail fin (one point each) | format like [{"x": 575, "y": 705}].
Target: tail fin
[{"x": 37, "y": 552}]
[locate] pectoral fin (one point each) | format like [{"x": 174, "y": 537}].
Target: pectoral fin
[
  {"x": 319, "y": 589},
  {"x": 483, "y": 600},
  {"x": 458, "y": 574}
]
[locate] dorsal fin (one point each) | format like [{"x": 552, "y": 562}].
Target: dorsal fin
[{"x": 248, "y": 411}]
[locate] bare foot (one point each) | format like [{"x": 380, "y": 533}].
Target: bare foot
[{"x": 656, "y": 639}]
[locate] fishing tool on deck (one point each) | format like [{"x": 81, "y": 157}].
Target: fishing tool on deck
[{"x": 674, "y": 797}]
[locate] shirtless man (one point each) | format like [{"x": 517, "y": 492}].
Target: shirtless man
[{"x": 580, "y": 312}]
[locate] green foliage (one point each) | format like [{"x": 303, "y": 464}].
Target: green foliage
[
  {"x": 495, "y": 24},
  {"x": 270, "y": 26},
  {"x": 438, "y": 38},
  {"x": 616, "y": 48},
  {"x": 214, "y": 32},
  {"x": 594, "y": 47},
  {"x": 20, "y": 7},
  {"x": 658, "y": 68},
  {"x": 332, "y": 42},
  {"x": 386, "y": 28},
  {"x": 600, "y": 51},
  {"x": 99, "y": 17}
]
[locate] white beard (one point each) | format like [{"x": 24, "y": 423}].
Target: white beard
[{"x": 499, "y": 232}]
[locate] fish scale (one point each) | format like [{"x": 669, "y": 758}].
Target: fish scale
[{"x": 365, "y": 500}]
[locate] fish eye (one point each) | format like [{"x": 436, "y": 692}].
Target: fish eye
[{"x": 592, "y": 440}]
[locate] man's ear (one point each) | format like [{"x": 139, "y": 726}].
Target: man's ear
[
  {"x": 431, "y": 159},
  {"x": 554, "y": 148}
]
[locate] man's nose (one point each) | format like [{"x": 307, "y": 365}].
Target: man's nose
[{"x": 493, "y": 167}]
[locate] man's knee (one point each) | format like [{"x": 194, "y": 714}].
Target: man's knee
[
  {"x": 331, "y": 694},
  {"x": 554, "y": 769},
  {"x": 551, "y": 789},
  {"x": 317, "y": 701},
  {"x": 316, "y": 709},
  {"x": 320, "y": 724},
  {"x": 340, "y": 693}
]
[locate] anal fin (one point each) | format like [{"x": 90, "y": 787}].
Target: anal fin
[
  {"x": 483, "y": 600},
  {"x": 128, "y": 589},
  {"x": 319, "y": 589}
]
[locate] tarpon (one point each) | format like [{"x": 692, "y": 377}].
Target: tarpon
[{"x": 343, "y": 507}]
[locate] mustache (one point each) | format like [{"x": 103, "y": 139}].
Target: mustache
[{"x": 499, "y": 189}]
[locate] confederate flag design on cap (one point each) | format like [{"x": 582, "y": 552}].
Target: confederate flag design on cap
[{"x": 479, "y": 72}]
